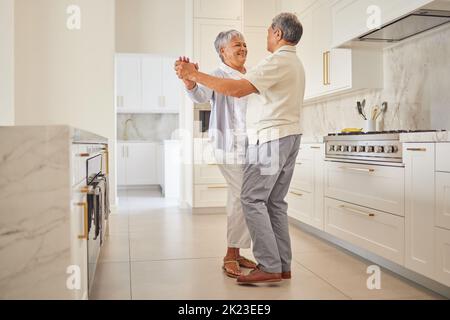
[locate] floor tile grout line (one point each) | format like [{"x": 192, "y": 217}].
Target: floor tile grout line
[{"x": 323, "y": 279}]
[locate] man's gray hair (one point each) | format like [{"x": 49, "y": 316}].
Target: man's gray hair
[
  {"x": 291, "y": 27},
  {"x": 224, "y": 38}
]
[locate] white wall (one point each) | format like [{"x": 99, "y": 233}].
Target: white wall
[
  {"x": 63, "y": 76},
  {"x": 150, "y": 26},
  {"x": 6, "y": 62}
]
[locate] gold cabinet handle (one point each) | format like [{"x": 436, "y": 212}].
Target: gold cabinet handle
[
  {"x": 107, "y": 161},
  {"x": 84, "y": 155},
  {"x": 296, "y": 193},
  {"x": 299, "y": 163},
  {"x": 357, "y": 211},
  {"x": 312, "y": 147},
  {"x": 326, "y": 68},
  {"x": 217, "y": 187},
  {"x": 358, "y": 169},
  {"x": 85, "y": 207},
  {"x": 417, "y": 149}
]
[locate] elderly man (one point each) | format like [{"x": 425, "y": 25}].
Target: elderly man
[{"x": 276, "y": 86}]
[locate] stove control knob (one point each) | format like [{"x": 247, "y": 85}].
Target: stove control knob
[
  {"x": 338, "y": 148},
  {"x": 379, "y": 149},
  {"x": 370, "y": 149},
  {"x": 361, "y": 149},
  {"x": 345, "y": 148},
  {"x": 391, "y": 149},
  {"x": 354, "y": 149},
  {"x": 331, "y": 147}
]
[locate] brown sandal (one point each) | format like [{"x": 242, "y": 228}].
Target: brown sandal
[
  {"x": 229, "y": 272},
  {"x": 246, "y": 263}
]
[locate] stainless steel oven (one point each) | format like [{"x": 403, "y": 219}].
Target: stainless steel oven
[{"x": 98, "y": 207}]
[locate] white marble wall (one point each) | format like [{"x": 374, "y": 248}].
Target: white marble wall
[
  {"x": 151, "y": 127},
  {"x": 416, "y": 86}
]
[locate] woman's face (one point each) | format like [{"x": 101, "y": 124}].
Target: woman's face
[{"x": 235, "y": 52}]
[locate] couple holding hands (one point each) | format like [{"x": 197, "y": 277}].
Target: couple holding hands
[{"x": 263, "y": 106}]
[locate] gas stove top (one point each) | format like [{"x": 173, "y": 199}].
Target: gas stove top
[{"x": 380, "y": 132}]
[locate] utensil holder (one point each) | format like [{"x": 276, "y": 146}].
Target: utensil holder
[{"x": 370, "y": 125}]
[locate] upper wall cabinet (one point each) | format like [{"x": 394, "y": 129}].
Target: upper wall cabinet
[
  {"x": 330, "y": 71},
  {"x": 354, "y": 18},
  {"x": 218, "y": 9},
  {"x": 147, "y": 84}
]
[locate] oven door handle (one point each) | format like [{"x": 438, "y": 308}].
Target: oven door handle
[{"x": 358, "y": 169}]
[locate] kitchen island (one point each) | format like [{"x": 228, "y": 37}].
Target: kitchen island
[{"x": 43, "y": 210}]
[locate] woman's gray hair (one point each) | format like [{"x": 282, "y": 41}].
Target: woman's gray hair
[
  {"x": 224, "y": 38},
  {"x": 291, "y": 27}
]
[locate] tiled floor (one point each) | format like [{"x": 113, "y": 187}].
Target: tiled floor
[{"x": 157, "y": 251}]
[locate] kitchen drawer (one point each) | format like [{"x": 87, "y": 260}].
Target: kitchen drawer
[
  {"x": 376, "y": 231},
  {"x": 377, "y": 187},
  {"x": 442, "y": 262},
  {"x": 213, "y": 195},
  {"x": 303, "y": 177},
  {"x": 208, "y": 173},
  {"x": 443, "y": 157},
  {"x": 300, "y": 205},
  {"x": 442, "y": 217}
]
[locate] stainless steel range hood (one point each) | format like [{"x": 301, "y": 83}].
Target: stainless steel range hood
[{"x": 408, "y": 26}]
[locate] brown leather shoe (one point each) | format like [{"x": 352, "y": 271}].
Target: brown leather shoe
[
  {"x": 259, "y": 276},
  {"x": 286, "y": 275}
]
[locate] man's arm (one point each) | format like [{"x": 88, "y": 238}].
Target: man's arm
[{"x": 227, "y": 87}]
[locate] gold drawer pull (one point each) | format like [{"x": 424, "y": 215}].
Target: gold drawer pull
[
  {"x": 85, "y": 206},
  {"x": 416, "y": 149},
  {"x": 357, "y": 211},
  {"x": 300, "y": 163},
  {"x": 84, "y": 154},
  {"x": 107, "y": 161},
  {"x": 297, "y": 193},
  {"x": 212, "y": 164},
  {"x": 358, "y": 169},
  {"x": 315, "y": 147},
  {"x": 217, "y": 187}
]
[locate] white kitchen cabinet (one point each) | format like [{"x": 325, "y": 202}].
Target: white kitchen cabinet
[
  {"x": 352, "y": 18},
  {"x": 378, "y": 187},
  {"x": 78, "y": 246},
  {"x": 205, "y": 33},
  {"x": 172, "y": 89},
  {"x": 151, "y": 82},
  {"x": 259, "y": 13},
  {"x": 331, "y": 71},
  {"x": 379, "y": 232},
  {"x": 218, "y": 9},
  {"x": 128, "y": 82},
  {"x": 208, "y": 174},
  {"x": 419, "y": 159},
  {"x": 443, "y": 157},
  {"x": 137, "y": 164},
  {"x": 151, "y": 69},
  {"x": 442, "y": 216},
  {"x": 305, "y": 197},
  {"x": 442, "y": 262},
  {"x": 210, "y": 195},
  {"x": 301, "y": 205}
]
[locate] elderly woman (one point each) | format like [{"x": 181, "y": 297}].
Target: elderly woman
[{"x": 227, "y": 134}]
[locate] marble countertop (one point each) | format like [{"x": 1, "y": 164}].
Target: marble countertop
[
  {"x": 82, "y": 136},
  {"x": 73, "y": 135},
  {"x": 443, "y": 136}
]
